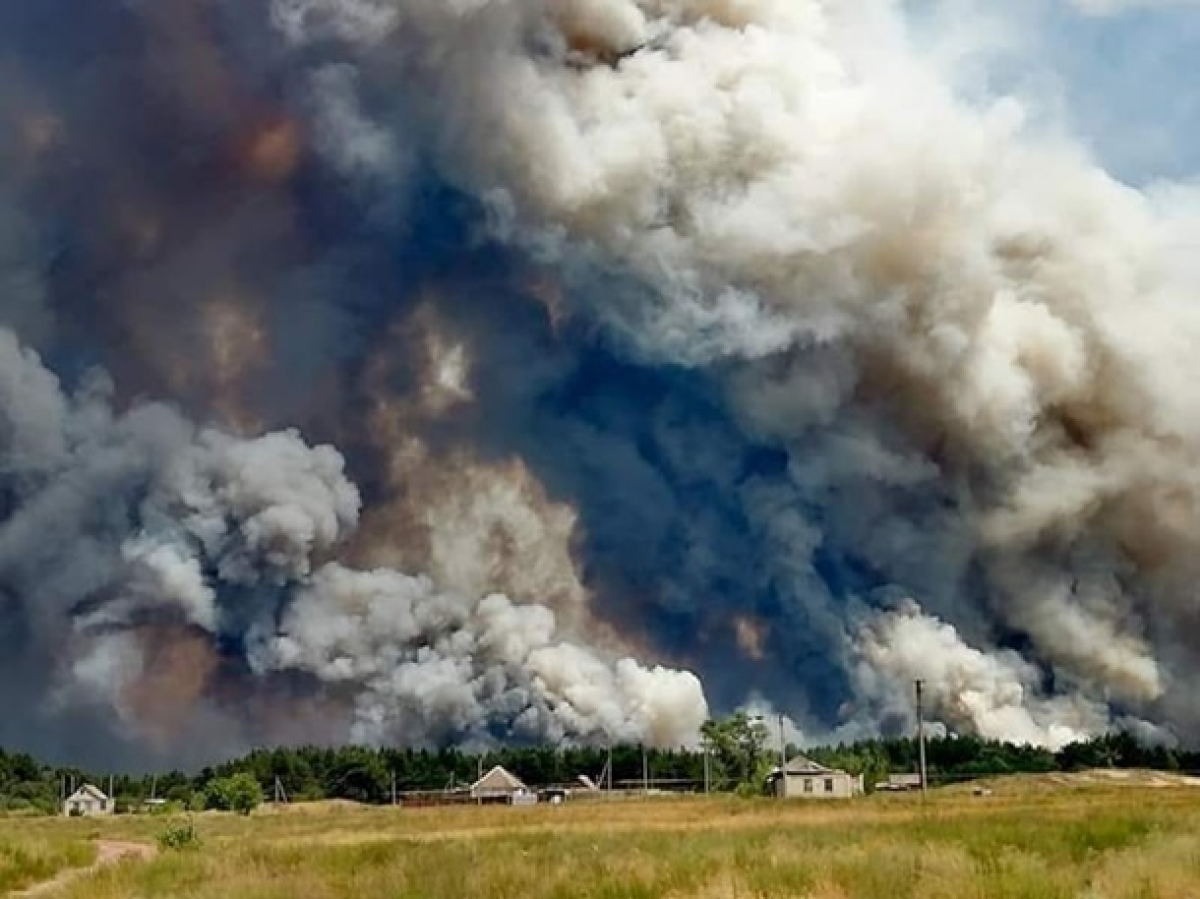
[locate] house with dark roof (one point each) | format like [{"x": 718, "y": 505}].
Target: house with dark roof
[{"x": 805, "y": 779}]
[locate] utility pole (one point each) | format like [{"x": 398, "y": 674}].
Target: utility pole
[
  {"x": 609, "y": 769},
  {"x": 393, "y": 788},
  {"x": 782, "y": 748},
  {"x": 920, "y": 685}
]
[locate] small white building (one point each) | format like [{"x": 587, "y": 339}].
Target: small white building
[
  {"x": 899, "y": 783},
  {"x": 500, "y": 786},
  {"x": 805, "y": 779},
  {"x": 87, "y": 802}
]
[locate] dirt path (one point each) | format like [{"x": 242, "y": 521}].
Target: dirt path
[{"x": 108, "y": 852}]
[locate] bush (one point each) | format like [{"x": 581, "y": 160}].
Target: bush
[
  {"x": 179, "y": 837},
  {"x": 240, "y": 793}
]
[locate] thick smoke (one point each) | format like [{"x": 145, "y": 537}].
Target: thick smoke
[
  {"x": 972, "y": 343},
  {"x": 716, "y": 333},
  {"x": 137, "y": 527}
]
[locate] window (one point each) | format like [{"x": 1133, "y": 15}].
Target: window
[
  {"x": 829, "y": 785},
  {"x": 807, "y": 785}
]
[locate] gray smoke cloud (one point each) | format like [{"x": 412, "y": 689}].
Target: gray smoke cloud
[
  {"x": 129, "y": 525},
  {"x": 718, "y": 334},
  {"x": 974, "y": 344}
]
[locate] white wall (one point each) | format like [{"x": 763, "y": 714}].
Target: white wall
[{"x": 821, "y": 786}]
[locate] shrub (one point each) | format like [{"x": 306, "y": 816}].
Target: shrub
[
  {"x": 749, "y": 791},
  {"x": 179, "y": 837},
  {"x": 240, "y": 793}
]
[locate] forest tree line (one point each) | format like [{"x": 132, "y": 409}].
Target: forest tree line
[{"x": 740, "y": 754}]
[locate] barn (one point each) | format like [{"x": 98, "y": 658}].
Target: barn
[{"x": 804, "y": 778}]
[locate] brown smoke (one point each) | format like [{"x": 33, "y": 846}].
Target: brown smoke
[{"x": 179, "y": 666}]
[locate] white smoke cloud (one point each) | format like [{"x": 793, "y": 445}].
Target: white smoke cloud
[
  {"x": 165, "y": 573},
  {"x": 359, "y": 20},
  {"x": 99, "y": 673},
  {"x": 767, "y": 182},
  {"x": 156, "y": 525},
  {"x": 965, "y": 348},
  {"x": 994, "y": 695},
  {"x": 435, "y": 665},
  {"x": 357, "y": 147},
  {"x": 261, "y": 509}
]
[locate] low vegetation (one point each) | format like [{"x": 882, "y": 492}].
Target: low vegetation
[
  {"x": 180, "y": 836},
  {"x": 1046, "y": 833},
  {"x": 1035, "y": 838},
  {"x": 26, "y": 858}
]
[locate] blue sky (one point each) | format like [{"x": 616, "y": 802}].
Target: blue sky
[
  {"x": 1131, "y": 85},
  {"x": 1126, "y": 82}
]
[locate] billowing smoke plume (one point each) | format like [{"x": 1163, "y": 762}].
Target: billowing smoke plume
[
  {"x": 137, "y": 527},
  {"x": 716, "y": 333}
]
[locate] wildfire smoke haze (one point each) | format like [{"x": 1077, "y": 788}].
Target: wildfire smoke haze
[{"x": 421, "y": 372}]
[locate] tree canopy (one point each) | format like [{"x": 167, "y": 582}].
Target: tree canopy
[{"x": 740, "y": 750}]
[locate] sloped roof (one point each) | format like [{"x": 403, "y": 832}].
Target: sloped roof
[
  {"x": 802, "y": 764},
  {"x": 498, "y": 780},
  {"x": 88, "y": 791}
]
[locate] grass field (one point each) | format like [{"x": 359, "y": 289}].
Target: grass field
[
  {"x": 1031, "y": 839},
  {"x": 30, "y": 855}
]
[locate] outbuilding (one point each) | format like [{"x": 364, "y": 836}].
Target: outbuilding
[{"x": 899, "y": 783}]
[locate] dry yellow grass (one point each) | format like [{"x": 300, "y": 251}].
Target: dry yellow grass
[
  {"x": 1032, "y": 839},
  {"x": 27, "y": 858}
]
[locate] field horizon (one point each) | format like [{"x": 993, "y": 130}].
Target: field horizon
[{"x": 1099, "y": 835}]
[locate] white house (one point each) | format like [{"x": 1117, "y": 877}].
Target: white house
[
  {"x": 86, "y": 802},
  {"x": 806, "y": 779},
  {"x": 498, "y": 785}
]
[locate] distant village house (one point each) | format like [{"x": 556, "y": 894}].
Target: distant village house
[
  {"x": 804, "y": 778},
  {"x": 500, "y": 786},
  {"x": 87, "y": 802}
]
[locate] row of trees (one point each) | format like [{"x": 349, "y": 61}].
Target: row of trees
[{"x": 740, "y": 752}]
